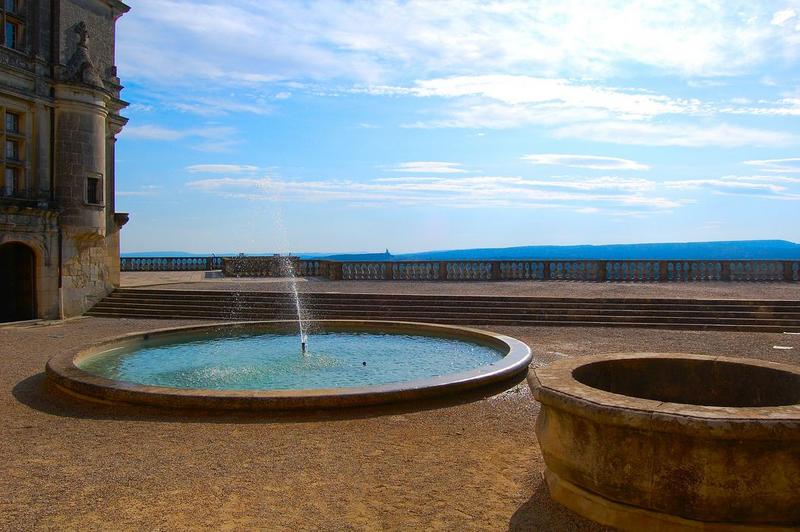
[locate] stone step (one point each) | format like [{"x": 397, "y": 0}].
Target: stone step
[
  {"x": 484, "y": 321},
  {"x": 720, "y": 314},
  {"x": 444, "y": 297},
  {"x": 732, "y": 306},
  {"x": 322, "y": 307},
  {"x": 421, "y": 316}
]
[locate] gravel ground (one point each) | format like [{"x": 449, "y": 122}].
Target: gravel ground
[
  {"x": 468, "y": 465},
  {"x": 706, "y": 290}
]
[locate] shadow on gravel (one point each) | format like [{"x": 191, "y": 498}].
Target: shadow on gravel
[
  {"x": 38, "y": 393},
  {"x": 540, "y": 512}
]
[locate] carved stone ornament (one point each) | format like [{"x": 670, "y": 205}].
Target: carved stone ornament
[{"x": 80, "y": 68}]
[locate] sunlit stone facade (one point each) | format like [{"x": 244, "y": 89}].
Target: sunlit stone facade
[{"x": 60, "y": 104}]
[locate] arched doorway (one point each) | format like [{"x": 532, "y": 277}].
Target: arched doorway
[{"x": 17, "y": 283}]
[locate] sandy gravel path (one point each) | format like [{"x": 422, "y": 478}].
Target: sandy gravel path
[{"x": 474, "y": 465}]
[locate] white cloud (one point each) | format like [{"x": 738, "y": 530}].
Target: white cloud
[
  {"x": 765, "y": 187},
  {"x": 146, "y": 190},
  {"x": 139, "y": 108},
  {"x": 780, "y": 107},
  {"x": 238, "y": 42},
  {"x": 516, "y": 90},
  {"x": 788, "y": 165},
  {"x": 780, "y": 17},
  {"x": 221, "y": 168},
  {"x": 223, "y": 106},
  {"x": 594, "y": 162},
  {"x": 152, "y": 132},
  {"x": 213, "y": 139},
  {"x": 155, "y": 132},
  {"x": 460, "y": 192},
  {"x": 686, "y": 135},
  {"x": 503, "y": 101},
  {"x": 428, "y": 167},
  {"x": 589, "y": 112}
]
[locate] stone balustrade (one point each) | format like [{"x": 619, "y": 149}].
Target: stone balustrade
[
  {"x": 489, "y": 270},
  {"x": 170, "y": 264}
]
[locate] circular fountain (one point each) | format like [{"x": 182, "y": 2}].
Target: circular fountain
[
  {"x": 672, "y": 441},
  {"x": 260, "y": 365}
]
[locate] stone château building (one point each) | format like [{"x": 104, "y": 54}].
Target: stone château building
[{"x": 59, "y": 110}]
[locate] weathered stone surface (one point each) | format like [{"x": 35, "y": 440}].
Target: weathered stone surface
[
  {"x": 635, "y": 430},
  {"x": 274, "y": 266},
  {"x": 69, "y": 116}
]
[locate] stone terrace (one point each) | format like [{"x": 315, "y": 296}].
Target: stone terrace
[
  {"x": 472, "y": 464},
  {"x": 696, "y": 290}
]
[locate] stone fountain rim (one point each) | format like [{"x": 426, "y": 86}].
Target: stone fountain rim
[
  {"x": 554, "y": 385},
  {"x": 62, "y": 371}
]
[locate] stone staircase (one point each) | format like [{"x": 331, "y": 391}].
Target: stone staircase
[{"x": 697, "y": 314}]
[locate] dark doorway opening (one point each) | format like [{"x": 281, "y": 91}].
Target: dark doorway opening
[{"x": 17, "y": 283}]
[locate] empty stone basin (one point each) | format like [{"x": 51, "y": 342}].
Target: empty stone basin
[{"x": 672, "y": 441}]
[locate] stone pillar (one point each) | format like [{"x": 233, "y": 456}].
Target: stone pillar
[
  {"x": 601, "y": 271},
  {"x": 40, "y": 167},
  {"x": 725, "y": 270},
  {"x": 80, "y": 155},
  {"x": 114, "y": 221}
]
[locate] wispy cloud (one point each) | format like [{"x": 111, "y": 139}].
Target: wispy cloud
[
  {"x": 221, "y": 169},
  {"x": 766, "y": 187},
  {"x": 789, "y": 165},
  {"x": 553, "y": 93},
  {"x": 152, "y": 132},
  {"x": 781, "y": 17},
  {"x": 368, "y": 41},
  {"x": 213, "y": 139},
  {"x": 145, "y": 190},
  {"x": 455, "y": 192},
  {"x": 212, "y": 106},
  {"x": 429, "y": 167},
  {"x": 589, "y": 111},
  {"x": 686, "y": 135},
  {"x": 779, "y": 107},
  {"x": 593, "y": 162},
  {"x": 155, "y": 132}
]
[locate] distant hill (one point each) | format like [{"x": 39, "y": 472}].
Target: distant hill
[
  {"x": 741, "y": 249},
  {"x": 346, "y": 257},
  {"x": 737, "y": 249}
]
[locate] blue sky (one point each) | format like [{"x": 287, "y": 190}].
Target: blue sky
[{"x": 300, "y": 126}]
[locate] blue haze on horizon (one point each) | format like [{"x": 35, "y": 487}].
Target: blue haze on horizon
[{"x": 335, "y": 126}]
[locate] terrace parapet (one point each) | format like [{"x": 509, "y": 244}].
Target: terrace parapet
[{"x": 485, "y": 270}]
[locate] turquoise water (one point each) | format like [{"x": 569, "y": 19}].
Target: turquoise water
[{"x": 273, "y": 361}]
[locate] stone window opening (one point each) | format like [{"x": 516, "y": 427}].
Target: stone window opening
[
  {"x": 94, "y": 190},
  {"x": 13, "y": 24},
  {"x": 12, "y": 122},
  {"x": 12, "y": 150},
  {"x": 13, "y": 140}
]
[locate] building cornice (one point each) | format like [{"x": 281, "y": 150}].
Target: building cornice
[{"x": 119, "y": 8}]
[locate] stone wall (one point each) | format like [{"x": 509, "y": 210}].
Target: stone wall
[
  {"x": 38, "y": 229},
  {"x": 85, "y": 273},
  {"x": 99, "y": 18},
  {"x": 69, "y": 95}
]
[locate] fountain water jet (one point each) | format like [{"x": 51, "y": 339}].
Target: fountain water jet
[{"x": 288, "y": 268}]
